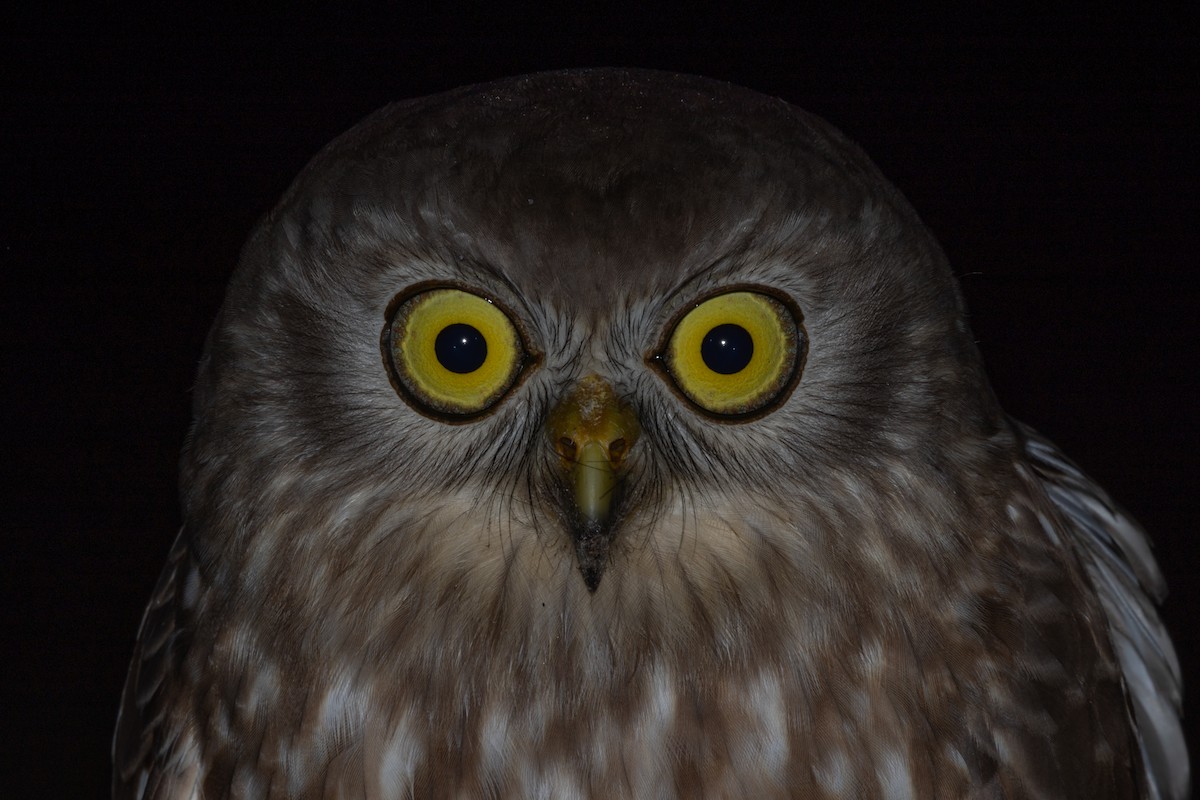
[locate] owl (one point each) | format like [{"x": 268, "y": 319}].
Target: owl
[{"x": 604, "y": 434}]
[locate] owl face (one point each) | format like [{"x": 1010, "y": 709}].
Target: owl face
[
  {"x": 454, "y": 354},
  {"x": 554, "y": 365}
]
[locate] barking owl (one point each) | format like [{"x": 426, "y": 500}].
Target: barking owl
[{"x": 611, "y": 434}]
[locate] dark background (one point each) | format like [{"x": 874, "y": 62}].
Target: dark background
[{"x": 1055, "y": 159}]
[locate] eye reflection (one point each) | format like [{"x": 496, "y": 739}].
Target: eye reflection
[
  {"x": 727, "y": 349},
  {"x": 461, "y": 348}
]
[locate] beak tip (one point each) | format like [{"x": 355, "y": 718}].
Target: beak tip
[
  {"x": 591, "y": 550},
  {"x": 591, "y": 577}
]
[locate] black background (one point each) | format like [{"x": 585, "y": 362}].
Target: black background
[{"x": 1055, "y": 159}]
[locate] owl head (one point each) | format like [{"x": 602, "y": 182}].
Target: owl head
[{"x": 599, "y": 333}]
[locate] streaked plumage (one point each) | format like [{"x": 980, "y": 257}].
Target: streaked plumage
[{"x": 863, "y": 580}]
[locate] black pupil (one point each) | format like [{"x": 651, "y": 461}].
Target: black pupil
[
  {"x": 460, "y": 348},
  {"x": 727, "y": 349}
]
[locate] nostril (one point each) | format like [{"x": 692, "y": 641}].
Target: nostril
[{"x": 566, "y": 448}]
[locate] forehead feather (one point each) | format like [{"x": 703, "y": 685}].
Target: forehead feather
[{"x": 582, "y": 178}]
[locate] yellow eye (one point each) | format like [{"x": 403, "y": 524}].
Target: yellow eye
[
  {"x": 453, "y": 352},
  {"x": 735, "y": 354}
]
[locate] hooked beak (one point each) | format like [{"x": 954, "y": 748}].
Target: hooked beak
[{"x": 592, "y": 431}]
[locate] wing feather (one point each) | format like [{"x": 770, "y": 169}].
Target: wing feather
[
  {"x": 1116, "y": 554},
  {"x": 154, "y": 754}
]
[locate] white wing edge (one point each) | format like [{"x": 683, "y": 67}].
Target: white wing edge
[{"x": 1115, "y": 552}]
